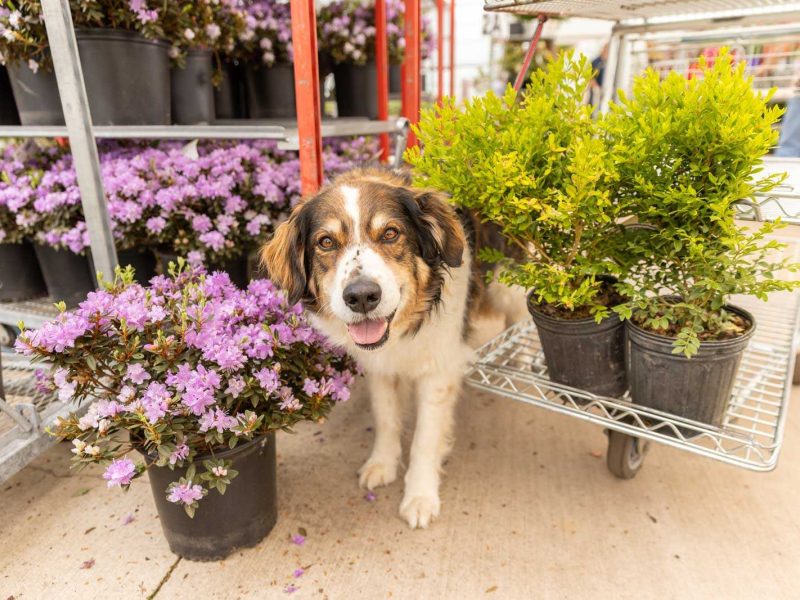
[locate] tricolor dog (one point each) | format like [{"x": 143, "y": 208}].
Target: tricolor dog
[{"x": 388, "y": 272}]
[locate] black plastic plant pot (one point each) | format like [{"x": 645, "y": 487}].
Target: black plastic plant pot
[
  {"x": 142, "y": 261},
  {"x": 582, "y": 353},
  {"x": 270, "y": 91},
  {"x": 229, "y": 96},
  {"x": 127, "y": 77},
  {"x": 395, "y": 80},
  {"x": 697, "y": 388},
  {"x": 20, "y": 276},
  {"x": 68, "y": 276},
  {"x": 35, "y": 95},
  {"x": 356, "y": 90},
  {"x": 8, "y": 108},
  {"x": 222, "y": 523},
  {"x": 192, "y": 90}
]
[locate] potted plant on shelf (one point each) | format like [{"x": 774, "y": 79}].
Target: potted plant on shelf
[
  {"x": 200, "y": 33},
  {"x": 21, "y": 168},
  {"x": 538, "y": 170},
  {"x": 195, "y": 376},
  {"x": 125, "y": 65},
  {"x": 687, "y": 151}
]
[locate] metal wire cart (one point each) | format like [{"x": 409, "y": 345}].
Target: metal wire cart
[{"x": 512, "y": 364}]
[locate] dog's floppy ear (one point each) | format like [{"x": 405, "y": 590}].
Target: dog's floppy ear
[
  {"x": 284, "y": 257},
  {"x": 441, "y": 236}
]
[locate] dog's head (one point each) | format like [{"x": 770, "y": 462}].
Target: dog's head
[{"x": 367, "y": 256}]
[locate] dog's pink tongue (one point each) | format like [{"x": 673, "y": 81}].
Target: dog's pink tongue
[{"x": 368, "y": 332}]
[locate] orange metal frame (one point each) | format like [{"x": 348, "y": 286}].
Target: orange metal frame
[{"x": 306, "y": 78}]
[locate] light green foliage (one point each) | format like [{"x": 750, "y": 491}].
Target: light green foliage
[
  {"x": 538, "y": 169},
  {"x": 686, "y": 152}
]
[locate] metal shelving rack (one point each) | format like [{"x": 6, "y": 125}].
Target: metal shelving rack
[
  {"x": 512, "y": 365},
  {"x": 24, "y": 411}
]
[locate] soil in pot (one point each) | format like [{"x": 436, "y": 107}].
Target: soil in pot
[
  {"x": 580, "y": 352},
  {"x": 192, "y": 91},
  {"x": 356, "y": 90},
  {"x": 8, "y": 108},
  {"x": 229, "y": 97},
  {"x": 236, "y": 268},
  {"x": 68, "y": 276},
  {"x": 697, "y": 388},
  {"x": 20, "y": 276},
  {"x": 127, "y": 77},
  {"x": 142, "y": 261},
  {"x": 35, "y": 95},
  {"x": 240, "y": 518}
]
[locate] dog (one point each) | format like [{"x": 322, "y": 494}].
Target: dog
[{"x": 389, "y": 272}]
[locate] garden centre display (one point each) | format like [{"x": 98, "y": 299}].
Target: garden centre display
[
  {"x": 195, "y": 375},
  {"x": 540, "y": 171},
  {"x": 686, "y": 153}
]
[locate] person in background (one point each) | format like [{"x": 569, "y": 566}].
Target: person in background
[{"x": 596, "y": 85}]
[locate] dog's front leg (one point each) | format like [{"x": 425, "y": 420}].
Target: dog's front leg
[
  {"x": 381, "y": 468},
  {"x": 436, "y": 398}
]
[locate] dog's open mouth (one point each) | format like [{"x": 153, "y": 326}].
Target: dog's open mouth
[{"x": 370, "y": 333}]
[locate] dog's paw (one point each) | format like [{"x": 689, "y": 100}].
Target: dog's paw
[
  {"x": 419, "y": 511},
  {"x": 376, "y": 473}
]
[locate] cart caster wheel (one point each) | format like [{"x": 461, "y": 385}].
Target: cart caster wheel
[
  {"x": 7, "y": 336},
  {"x": 625, "y": 454}
]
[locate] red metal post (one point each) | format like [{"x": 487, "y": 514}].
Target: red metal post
[
  {"x": 531, "y": 51},
  {"x": 453, "y": 48},
  {"x": 382, "y": 69},
  {"x": 307, "y": 92},
  {"x": 412, "y": 66},
  {"x": 439, "y": 50}
]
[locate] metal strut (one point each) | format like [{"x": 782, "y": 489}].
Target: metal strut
[{"x": 531, "y": 51}]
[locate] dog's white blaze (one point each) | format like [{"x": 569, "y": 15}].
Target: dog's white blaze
[
  {"x": 352, "y": 209},
  {"x": 360, "y": 260}
]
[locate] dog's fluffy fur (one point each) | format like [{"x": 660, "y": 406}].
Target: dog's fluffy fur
[{"x": 370, "y": 223}]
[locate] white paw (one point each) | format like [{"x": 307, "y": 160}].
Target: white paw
[
  {"x": 376, "y": 473},
  {"x": 419, "y": 511}
]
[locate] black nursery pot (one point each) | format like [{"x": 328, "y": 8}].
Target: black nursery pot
[
  {"x": 395, "y": 80},
  {"x": 127, "y": 77},
  {"x": 142, "y": 261},
  {"x": 697, "y": 388},
  {"x": 20, "y": 276},
  {"x": 356, "y": 90},
  {"x": 223, "y": 523},
  {"x": 192, "y": 91},
  {"x": 36, "y": 95},
  {"x": 270, "y": 91},
  {"x": 68, "y": 276},
  {"x": 230, "y": 100},
  {"x": 8, "y": 108},
  {"x": 582, "y": 353},
  {"x": 236, "y": 268}
]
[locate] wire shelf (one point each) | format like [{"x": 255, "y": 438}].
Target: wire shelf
[
  {"x": 512, "y": 365},
  {"x": 32, "y": 312},
  {"x": 626, "y": 10}
]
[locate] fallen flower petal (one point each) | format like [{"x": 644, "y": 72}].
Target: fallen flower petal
[
  {"x": 290, "y": 589},
  {"x": 298, "y": 539},
  {"x": 370, "y": 496},
  {"x": 87, "y": 564},
  {"x": 299, "y": 572}
]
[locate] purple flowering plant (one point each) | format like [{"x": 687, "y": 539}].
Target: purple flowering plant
[
  {"x": 346, "y": 30},
  {"x": 267, "y": 35},
  {"x": 183, "y": 369}
]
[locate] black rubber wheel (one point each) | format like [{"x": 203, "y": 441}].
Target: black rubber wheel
[
  {"x": 625, "y": 454},
  {"x": 8, "y": 335}
]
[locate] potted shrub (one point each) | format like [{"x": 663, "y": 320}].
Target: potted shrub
[
  {"x": 195, "y": 376},
  {"x": 538, "y": 170},
  {"x": 125, "y": 65},
  {"x": 200, "y": 34},
  {"x": 20, "y": 170},
  {"x": 686, "y": 152}
]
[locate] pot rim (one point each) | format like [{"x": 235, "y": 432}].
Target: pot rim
[
  {"x": 117, "y": 34},
  {"x": 151, "y": 458},
  {"x": 665, "y": 339},
  {"x": 551, "y": 319}
]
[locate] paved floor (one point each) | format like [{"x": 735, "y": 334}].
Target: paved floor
[{"x": 529, "y": 511}]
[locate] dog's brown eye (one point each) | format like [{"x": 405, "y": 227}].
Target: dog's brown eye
[
  {"x": 390, "y": 235},
  {"x": 326, "y": 242}
]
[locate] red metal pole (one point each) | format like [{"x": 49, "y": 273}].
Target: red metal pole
[
  {"x": 382, "y": 69},
  {"x": 439, "y": 50},
  {"x": 531, "y": 51},
  {"x": 453, "y": 48},
  {"x": 412, "y": 66},
  {"x": 307, "y": 93}
]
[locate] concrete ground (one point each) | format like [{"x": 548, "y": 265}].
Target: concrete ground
[{"x": 529, "y": 511}]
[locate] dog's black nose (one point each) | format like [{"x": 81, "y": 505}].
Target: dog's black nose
[{"x": 362, "y": 295}]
